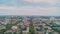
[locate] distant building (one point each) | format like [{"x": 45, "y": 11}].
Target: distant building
[{"x": 2, "y": 26}]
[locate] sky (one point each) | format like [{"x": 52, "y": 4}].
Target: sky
[{"x": 30, "y": 7}]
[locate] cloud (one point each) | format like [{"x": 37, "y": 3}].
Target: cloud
[
  {"x": 21, "y": 3},
  {"x": 38, "y": 1},
  {"x": 28, "y": 10},
  {"x": 7, "y": 7}
]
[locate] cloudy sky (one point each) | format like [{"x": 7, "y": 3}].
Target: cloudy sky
[{"x": 30, "y": 7}]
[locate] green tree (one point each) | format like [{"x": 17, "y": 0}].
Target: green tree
[
  {"x": 29, "y": 33},
  {"x": 2, "y": 31},
  {"x": 31, "y": 28},
  {"x": 50, "y": 33},
  {"x": 9, "y": 33},
  {"x": 8, "y": 26},
  {"x": 14, "y": 33}
]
